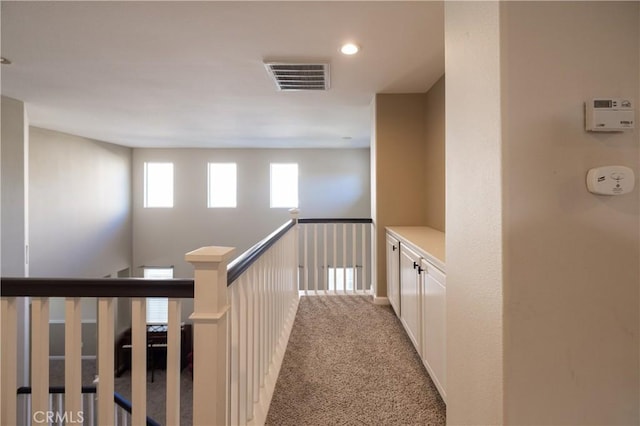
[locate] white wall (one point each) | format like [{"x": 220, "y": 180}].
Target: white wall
[
  {"x": 80, "y": 207},
  {"x": 15, "y": 190},
  {"x": 473, "y": 214},
  {"x": 571, "y": 278},
  {"x": 333, "y": 183},
  {"x": 15, "y": 210},
  {"x": 80, "y": 217}
]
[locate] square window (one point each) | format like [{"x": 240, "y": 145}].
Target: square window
[
  {"x": 284, "y": 185},
  {"x": 158, "y": 185},
  {"x": 336, "y": 277},
  {"x": 158, "y": 307},
  {"x": 222, "y": 185}
]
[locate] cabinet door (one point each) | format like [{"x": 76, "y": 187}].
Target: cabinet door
[
  {"x": 393, "y": 273},
  {"x": 434, "y": 325},
  {"x": 410, "y": 295}
]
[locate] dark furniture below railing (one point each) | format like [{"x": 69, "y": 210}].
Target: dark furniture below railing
[{"x": 156, "y": 348}]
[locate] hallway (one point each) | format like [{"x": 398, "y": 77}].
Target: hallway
[{"x": 349, "y": 361}]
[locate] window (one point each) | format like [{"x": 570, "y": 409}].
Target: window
[
  {"x": 284, "y": 185},
  {"x": 336, "y": 278},
  {"x": 222, "y": 185},
  {"x": 158, "y": 184},
  {"x": 158, "y": 307}
]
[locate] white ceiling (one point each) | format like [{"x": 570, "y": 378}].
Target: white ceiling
[{"x": 191, "y": 74}]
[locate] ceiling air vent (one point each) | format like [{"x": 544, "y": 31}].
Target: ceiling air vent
[{"x": 299, "y": 76}]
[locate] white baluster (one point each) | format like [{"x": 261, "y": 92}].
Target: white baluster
[
  {"x": 234, "y": 393},
  {"x": 315, "y": 257},
  {"x": 40, "y": 354},
  {"x": 364, "y": 256},
  {"x": 353, "y": 258},
  {"x": 344, "y": 258},
  {"x": 263, "y": 320},
  {"x": 173, "y": 361},
  {"x": 106, "y": 340},
  {"x": 210, "y": 334},
  {"x": 8, "y": 361},
  {"x": 305, "y": 269},
  {"x": 242, "y": 346},
  {"x": 251, "y": 367},
  {"x": 138, "y": 361},
  {"x": 325, "y": 269},
  {"x": 73, "y": 358},
  {"x": 335, "y": 258}
]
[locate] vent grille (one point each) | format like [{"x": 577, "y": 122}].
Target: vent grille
[{"x": 290, "y": 77}]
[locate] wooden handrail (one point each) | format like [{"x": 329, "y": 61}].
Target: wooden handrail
[
  {"x": 246, "y": 259},
  {"x": 335, "y": 220},
  {"x": 95, "y": 287}
]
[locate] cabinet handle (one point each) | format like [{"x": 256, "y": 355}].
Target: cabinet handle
[
  {"x": 420, "y": 270},
  {"x": 394, "y": 248},
  {"x": 415, "y": 265}
]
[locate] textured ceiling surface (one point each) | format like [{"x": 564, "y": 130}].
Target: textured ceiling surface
[{"x": 192, "y": 74}]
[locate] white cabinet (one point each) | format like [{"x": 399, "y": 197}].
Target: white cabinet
[
  {"x": 393, "y": 273},
  {"x": 434, "y": 324},
  {"x": 421, "y": 293},
  {"x": 410, "y": 294}
]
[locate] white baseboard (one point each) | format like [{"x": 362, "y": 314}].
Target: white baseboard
[
  {"x": 377, "y": 300},
  {"x": 322, "y": 293},
  {"x": 261, "y": 408}
]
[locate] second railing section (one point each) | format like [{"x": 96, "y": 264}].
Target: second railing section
[{"x": 335, "y": 256}]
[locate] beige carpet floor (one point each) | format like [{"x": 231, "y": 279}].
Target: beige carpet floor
[{"x": 349, "y": 362}]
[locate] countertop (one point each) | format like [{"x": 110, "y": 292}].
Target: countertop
[{"x": 427, "y": 240}]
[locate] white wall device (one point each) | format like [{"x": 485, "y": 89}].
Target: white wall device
[
  {"x": 610, "y": 180},
  {"x": 609, "y": 115}
]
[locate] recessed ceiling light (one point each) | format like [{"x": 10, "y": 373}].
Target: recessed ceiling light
[
  {"x": 4, "y": 61},
  {"x": 349, "y": 49}
]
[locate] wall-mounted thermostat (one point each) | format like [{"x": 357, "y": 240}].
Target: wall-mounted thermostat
[
  {"x": 608, "y": 115},
  {"x": 610, "y": 180}
]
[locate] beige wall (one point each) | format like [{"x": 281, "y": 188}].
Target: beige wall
[
  {"x": 473, "y": 214},
  {"x": 571, "y": 276},
  {"x": 540, "y": 272},
  {"x": 434, "y": 156},
  {"x": 407, "y": 165},
  {"x": 400, "y": 173}
]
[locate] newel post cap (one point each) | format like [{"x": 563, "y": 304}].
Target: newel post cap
[
  {"x": 211, "y": 254},
  {"x": 294, "y": 213}
]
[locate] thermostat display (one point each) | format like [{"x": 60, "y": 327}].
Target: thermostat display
[
  {"x": 609, "y": 115},
  {"x": 610, "y": 180}
]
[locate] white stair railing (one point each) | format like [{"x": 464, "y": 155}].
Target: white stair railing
[
  {"x": 74, "y": 408},
  {"x": 264, "y": 300},
  {"x": 243, "y": 314},
  {"x": 335, "y": 256}
]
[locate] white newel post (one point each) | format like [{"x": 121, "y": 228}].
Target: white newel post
[{"x": 210, "y": 308}]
